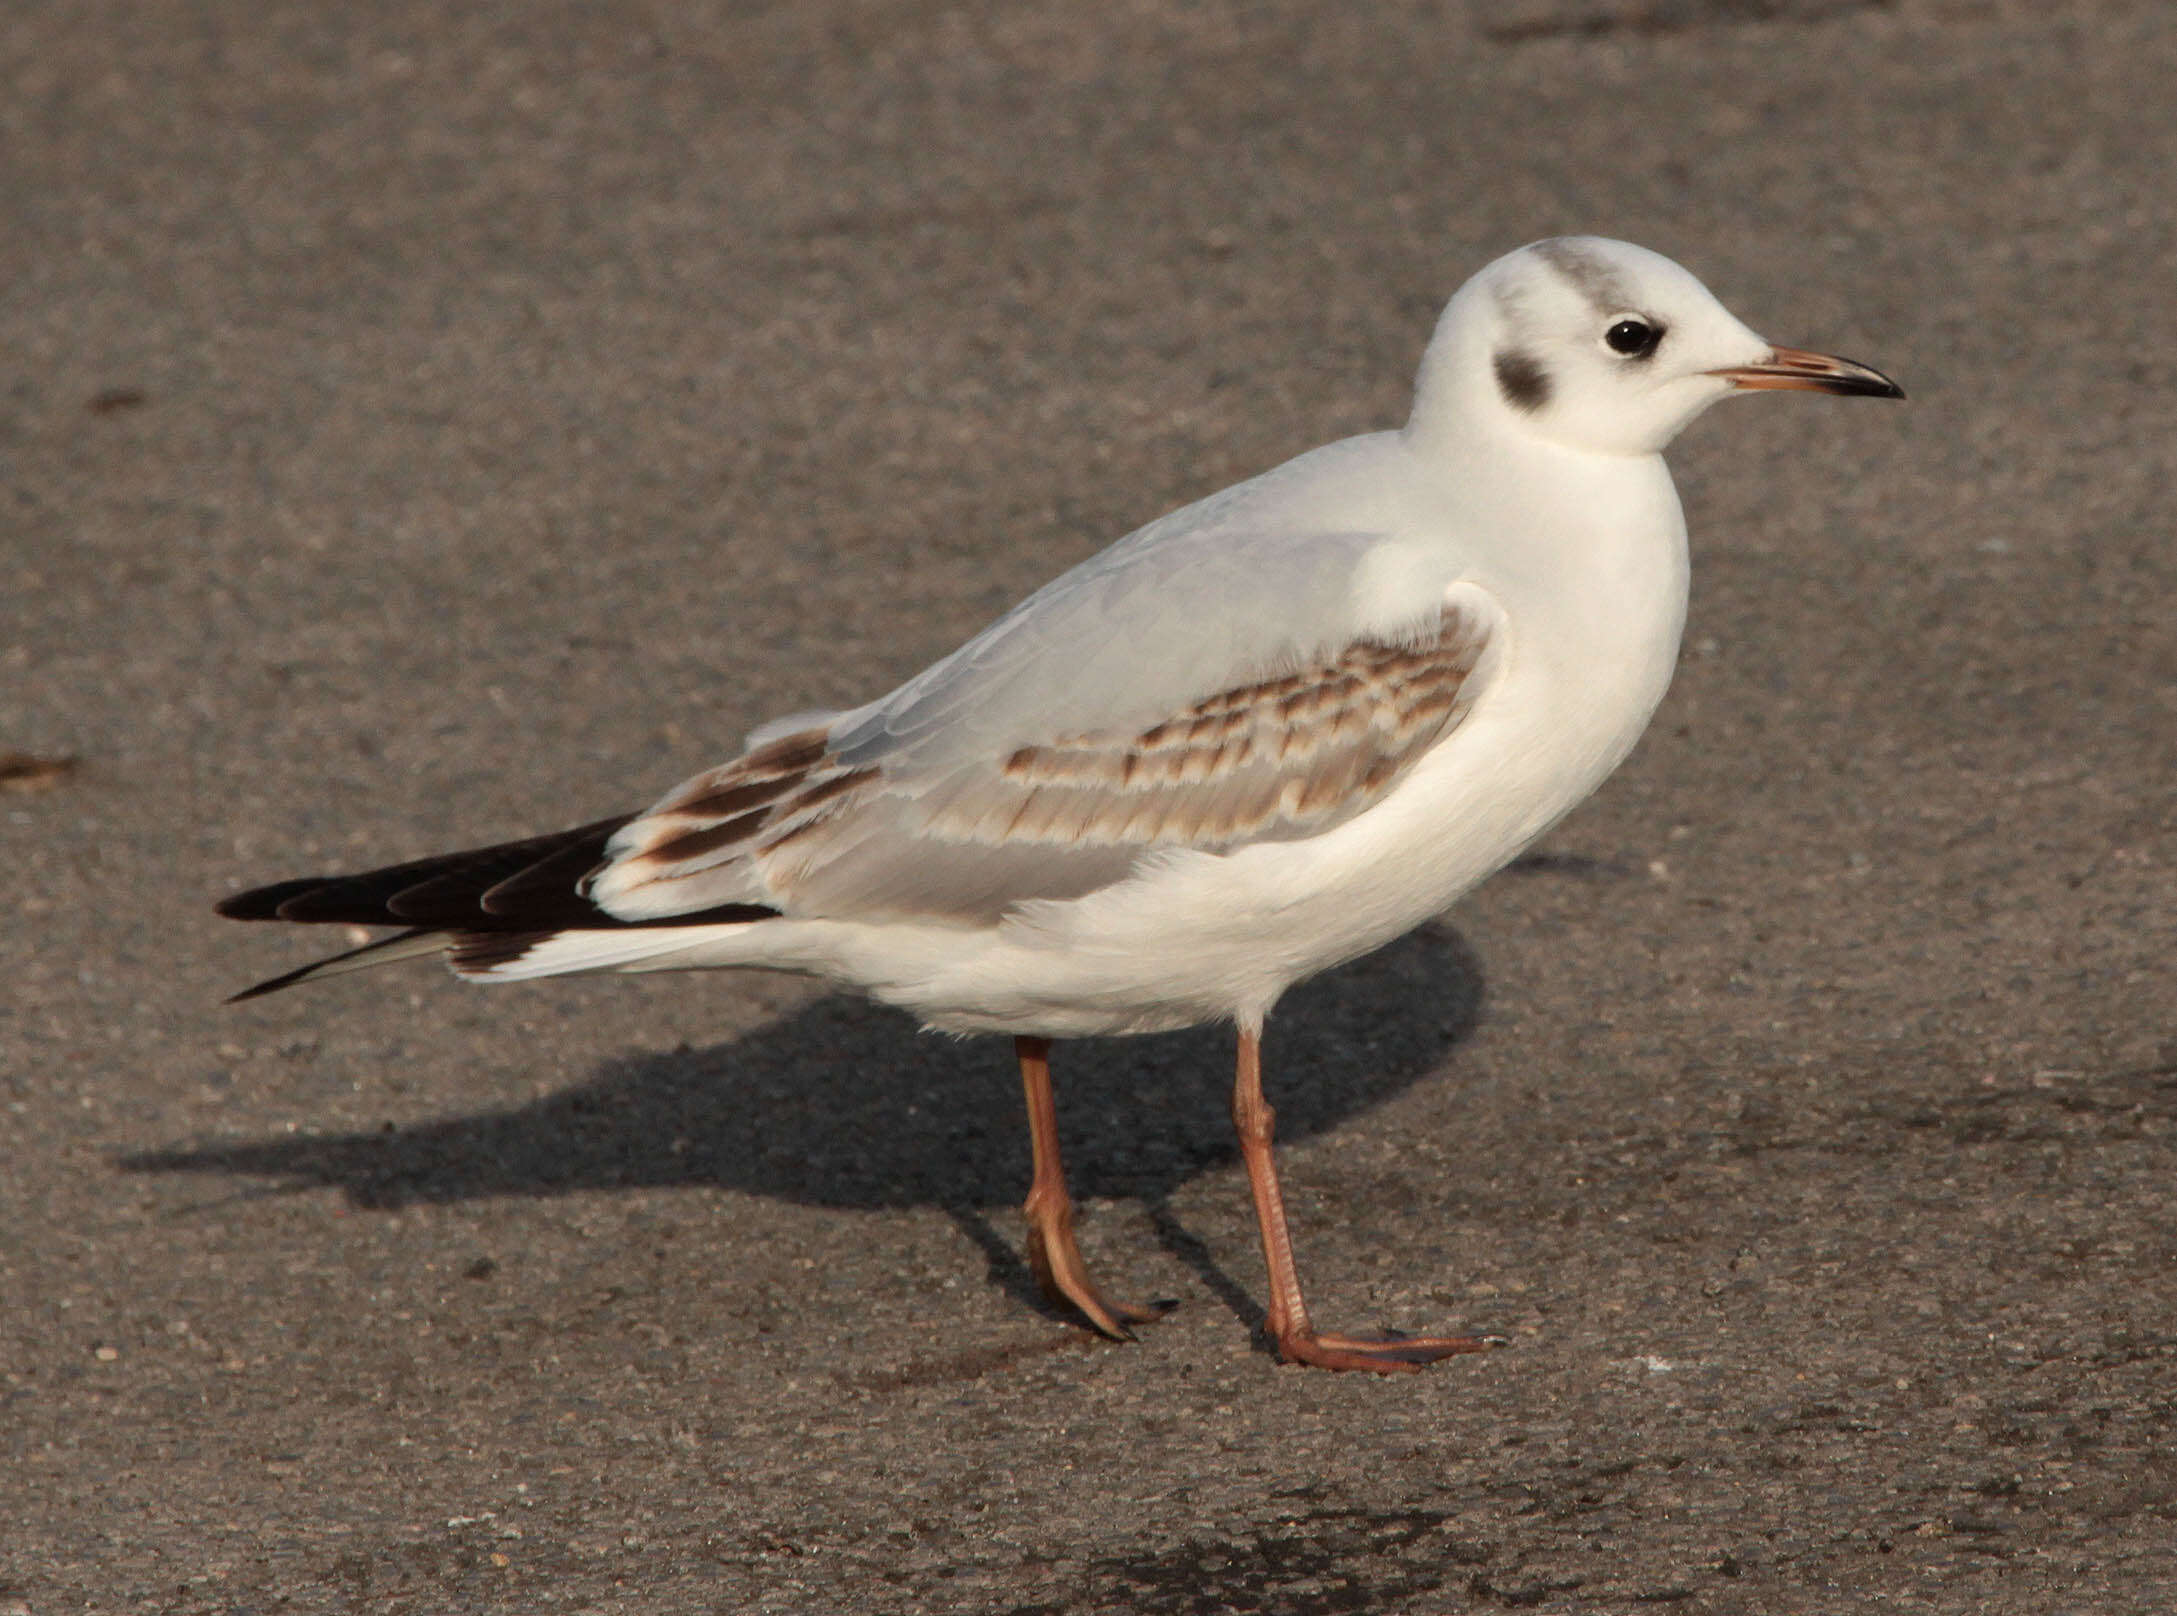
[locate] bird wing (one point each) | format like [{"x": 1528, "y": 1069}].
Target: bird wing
[
  {"x": 1259, "y": 666},
  {"x": 1040, "y": 763}
]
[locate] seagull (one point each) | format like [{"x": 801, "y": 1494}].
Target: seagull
[{"x": 1263, "y": 735}]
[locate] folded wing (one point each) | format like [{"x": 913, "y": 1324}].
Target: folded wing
[
  {"x": 1205, "y": 684},
  {"x": 810, "y": 830}
]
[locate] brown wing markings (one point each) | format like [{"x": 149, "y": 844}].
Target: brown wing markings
[
  {"x": 1379, "y": 774},
  {"x": 803, "y": 750},
  {"x": 824, "y": 791},
  {"x": 694, "y": 844},
  {"x": 1432, "y": 709},
  {"x": 1077, "y": 815},
  {"x": 806, "y": 809},
  {"x": 1283, "y": 755},
  {"x": 1298, "y": 746},
  {"x": 749, "y": 781},
  {"x": 1347, "y": 722},
  {"x": 769, "y": 787},
  {"x": 732, "y": 797},
  {"x": 1319, "y": 793}
]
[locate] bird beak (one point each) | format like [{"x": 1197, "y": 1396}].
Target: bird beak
[{"x": 1813, "y": 373}]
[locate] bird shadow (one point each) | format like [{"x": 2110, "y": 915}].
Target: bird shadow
[{"x": 840, "y": 1104}]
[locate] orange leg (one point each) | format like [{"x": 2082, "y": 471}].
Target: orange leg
[
  {"x": 1052, "y": 1253},
  {"x": 1296, "y": 1339}
]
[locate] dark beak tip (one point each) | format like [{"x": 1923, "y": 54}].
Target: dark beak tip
[
  {"x": 1851, "y": 378},
  {"x": 1871, "y": 383}
]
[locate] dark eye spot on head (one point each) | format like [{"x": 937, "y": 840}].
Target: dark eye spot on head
[
  {"x": 1522, "y": 381},
  {"x": 1634, "y": 338}
]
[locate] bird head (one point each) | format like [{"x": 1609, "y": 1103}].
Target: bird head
[{"x": 1604, "y": 347}]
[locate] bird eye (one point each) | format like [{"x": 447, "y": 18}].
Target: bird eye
[{"x": 1636, "y": 339}]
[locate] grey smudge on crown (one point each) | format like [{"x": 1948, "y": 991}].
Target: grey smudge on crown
[
  {"x": 1522, "y": 381},
  {"x": 1594, "y": 279}
]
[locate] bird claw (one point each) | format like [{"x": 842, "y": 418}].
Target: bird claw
[
  {"x": 1117, "y": 1319},
  {"x": 1064, "y": 1280}
]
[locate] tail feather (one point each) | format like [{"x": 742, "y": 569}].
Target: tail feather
[
  {"x": 509, "y": 956},
  {"x": 385, "y": 951}
]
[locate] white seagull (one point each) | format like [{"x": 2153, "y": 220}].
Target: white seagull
[{"x": 1262, "y": 735}]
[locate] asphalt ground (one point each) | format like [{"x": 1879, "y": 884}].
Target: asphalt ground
[{"x": 427, "y": 424}]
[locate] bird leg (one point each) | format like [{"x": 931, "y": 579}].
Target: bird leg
[
  {"x": 1296, "y": 1339},
  {"x": 1052, "y": 1253}
]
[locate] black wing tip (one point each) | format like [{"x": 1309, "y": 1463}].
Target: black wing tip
[
  {"x": 497, "y": 902},
  {"x": 445, "y": 890},
  {"x": 264, "y": 903}
]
